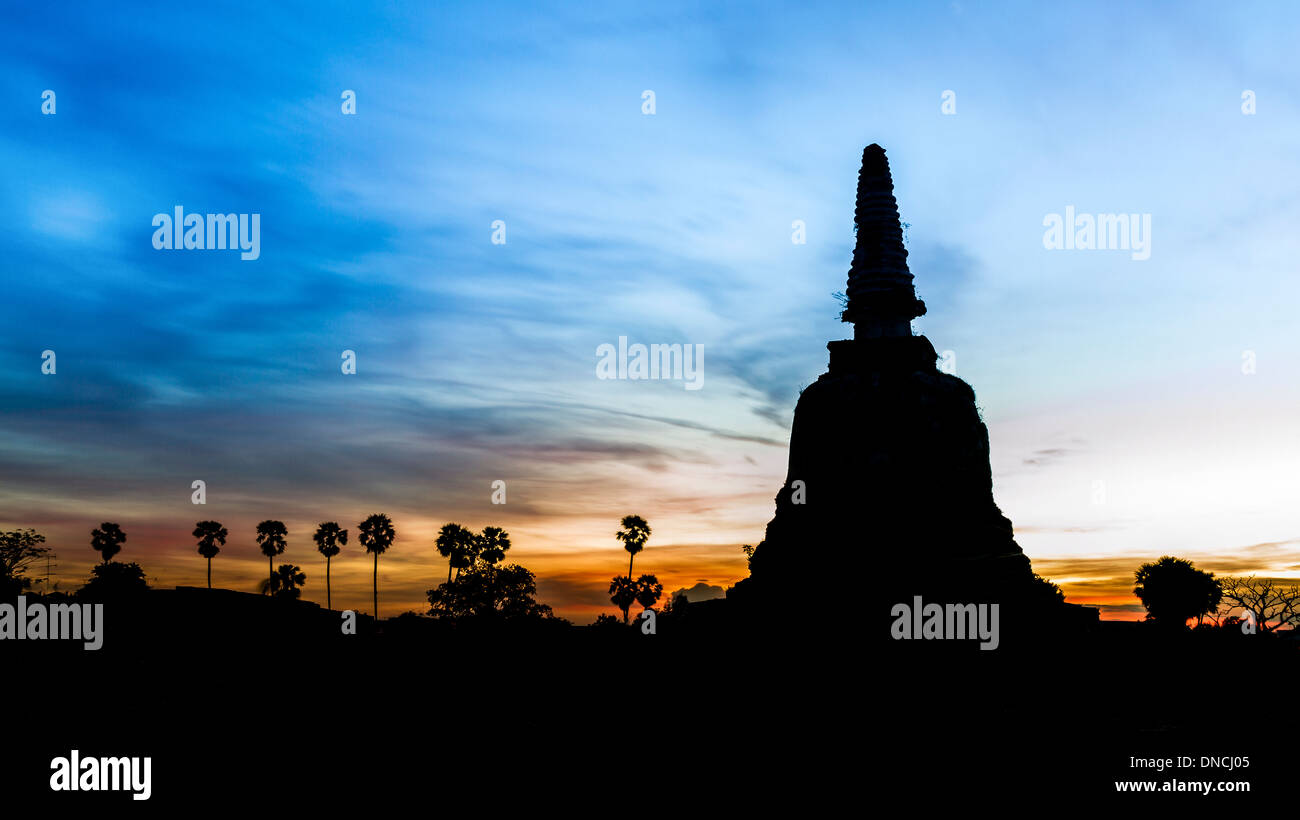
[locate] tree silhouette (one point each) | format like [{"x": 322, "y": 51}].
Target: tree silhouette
[
  {"x": 489, "y": 591},
  {"x": 107, "y": 540},
  {"x": 634, "y": 535},
  {"x": 492, "y": 545},
  {"x": 271, "y": 538},
  {"x": 19, "y": 549},
  {"x": 376, "y": 534},
  {"x": 328, "y": 539},
  {"x": 1174, "y": 590},
  {"x": 648, "y": 590},
  {"x": 212, "y": 536},
  {"x": 285, "y": 582},
  {"x": 622, "y": 593},
  {"x": 114, "y": 580},
  {"x": 1269, "y": 604},
  {"x": 457, "y": 545}
]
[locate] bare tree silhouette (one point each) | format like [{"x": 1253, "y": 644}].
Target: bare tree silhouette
[
  {"x": 271, "y": 537},
  {"x": 1270, "y": 604},
  {"x": 212, "y": 536},
  {"x": 376, "y": 534},
  {"x": 329, "y": 537},
  {"x": 107, "y": 540}
]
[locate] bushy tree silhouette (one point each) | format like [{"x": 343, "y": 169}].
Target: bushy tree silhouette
[
  {"x": 1045, "y": 592},
  {"x": 634, "y": 535},
  {"x": 271, "y": 538},
  {"x": 489, "y": 591},
  {"x": 212, "y": 536},
  {"x": 622, "y": 593},
  {"x": 114, "y": 580},
  {"x": 1174, "y": 590},
  {"x": 376, "y": 534},
  {"x": 329, "y": 539},
  {"x": 107, "y": 540}
]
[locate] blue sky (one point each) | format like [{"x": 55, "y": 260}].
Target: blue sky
[{"x": 476, "y": 361}]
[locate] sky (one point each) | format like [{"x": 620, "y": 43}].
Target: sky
[{"x": 1136, "y": 407}]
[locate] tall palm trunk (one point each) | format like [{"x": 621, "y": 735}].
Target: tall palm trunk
[
  {"x": 209, "y": 573},
  {"x": 376, "y": 577},
  {"x": 630, "y": 559},
  {"x": 328, "y": 600},
  {"x": 449, "y": 570},
  {"x": 270, "y": 576}
]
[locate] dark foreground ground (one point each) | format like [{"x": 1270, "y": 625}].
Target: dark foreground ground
[{"x": 260, "y": 705}]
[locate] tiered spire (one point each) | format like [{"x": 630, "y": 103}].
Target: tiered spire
[{"x": 882, "y": 300}]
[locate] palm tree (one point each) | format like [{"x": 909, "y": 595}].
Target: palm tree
[
  {"x": 622, "y": 592},
  {"x": 210, "y": 534},
  {"x": 648, "y": 590},
  {"x": 492, "y": 545},
  {"x": 107, "y": 540},
  {"x": 328, "y": 538},
  {"x": 270, "y": 536},
  {"x": 455, "y": 543},
  {"x": 376, "y": 534},
  {"x": 285, "y": 581},
  {"x": 634, "y": 534}
]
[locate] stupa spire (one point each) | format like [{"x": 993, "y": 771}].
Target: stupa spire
[{"x": 881, "y": 298}]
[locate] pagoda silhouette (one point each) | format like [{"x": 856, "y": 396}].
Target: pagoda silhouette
[{"x": 889, "y": 487}]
